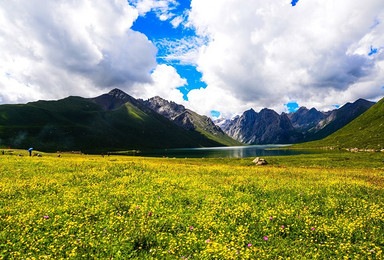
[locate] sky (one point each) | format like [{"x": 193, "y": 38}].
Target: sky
[{"x": 217, "y": 57}]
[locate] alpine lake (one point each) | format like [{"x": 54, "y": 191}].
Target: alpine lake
[{"x": 220, "y": 152}]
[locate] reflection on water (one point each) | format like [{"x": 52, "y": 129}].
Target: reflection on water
[{"x": 217, "y": 152}]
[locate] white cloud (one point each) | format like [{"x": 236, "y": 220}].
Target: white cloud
[
  {"x": 203, "y": 101},
  {"x": 165, "y": 81},
  {"x": 162, "y": 8},
  {"x": 269, "y": 53},
  {"x": 177, "y": 21},
  {"x": 52, "y": 49},
  {"x": 181, "y": 51},
  {"x": 181, "y": 19}
]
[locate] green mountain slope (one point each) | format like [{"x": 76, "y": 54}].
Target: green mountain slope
[
  {"x": 365, "y": 132},
  {"x": 338, "y": 119},
  {"x": 76, "y": 123},
  {"x": 206, "y": 126}
]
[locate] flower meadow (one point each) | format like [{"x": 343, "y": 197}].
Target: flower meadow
[{"x": 117, "y": 207}]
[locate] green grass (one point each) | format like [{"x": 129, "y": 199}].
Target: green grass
[
  {"x": 84, "y": 207},
  {"x": 365, "y": 132}
]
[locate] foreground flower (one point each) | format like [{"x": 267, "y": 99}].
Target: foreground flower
[
  {"x": 265, "y": 238},
  {"x": 249, "y": 245},
  {"x": 150, "y": 214},
  {"x": 313, "y": 228},
  {"x": 46, "y": 217},
  {"x": 191, "y": 228}
]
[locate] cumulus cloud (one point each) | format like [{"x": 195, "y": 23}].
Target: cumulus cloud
[
  {"x": 165, "y": 81},
  {"x": 52, "y": 49},
  {"x": 214, "y": 98},
  {"x": 272, "y": 52}
]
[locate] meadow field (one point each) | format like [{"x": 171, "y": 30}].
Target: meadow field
[{"x": 324, "y": 206}]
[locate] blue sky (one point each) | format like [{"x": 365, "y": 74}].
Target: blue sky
[
  {"x": 216, "y": 57},
  {"x": 158, "y": 31},
  {"x": 294, "y": 2}
]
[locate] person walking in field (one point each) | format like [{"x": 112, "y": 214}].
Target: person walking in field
[{"x": 30, "y": 151}]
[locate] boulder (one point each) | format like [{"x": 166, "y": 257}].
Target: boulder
[{"x": 260, "y": 161}]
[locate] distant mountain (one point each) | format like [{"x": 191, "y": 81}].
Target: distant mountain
[
  {"x": 223, "y": 123},
  {"x": 365, "y": 132},
  {"x": 300, "y": 126},
  {"x": 113, "y": 121},
  {"x": 304, "y": 119},
  {"x": 338, "y": 119},
  {"x": 265, "y": 127},
  {"x": 189, "y": 119}
]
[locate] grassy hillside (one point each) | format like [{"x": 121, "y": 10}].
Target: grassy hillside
[
  {"x": 338, "y": 119},
  {"x": 76, "y": 123},
  {"x": 89, "y": 207},
  {"x": 365, "y": 132}
]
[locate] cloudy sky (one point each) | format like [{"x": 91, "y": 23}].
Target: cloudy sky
[{"x": 217, "y": 57}]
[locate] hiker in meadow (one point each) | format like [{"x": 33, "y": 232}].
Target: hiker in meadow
[{"x": 30, "y": 151}]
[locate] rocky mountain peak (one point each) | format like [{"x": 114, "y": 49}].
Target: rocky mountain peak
[
  {"x": 114, "y": 99},
  {"x": 265, "y": 127},
  {"x": 121, "y": 95},
  {"x": 301, "y": 109},
  {"x": 268, "y": 112},
  {"x": 304, "y": 119},
  {"x": 117, "y": 93},
  {"x": 183, "y": 117},
  {"x": 249, "y": 111},
  {"x": 169, "y": 109}
]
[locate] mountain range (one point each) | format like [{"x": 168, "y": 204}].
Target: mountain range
[
  {"x": 116, "y": 121},
  {"x": 338, "y": 118},
  {"x": 365, "y": 132},
  {"x": 268, "y": 127},
  {"x": 265, "y": 127},
  {"x": 110, "y": 122}
]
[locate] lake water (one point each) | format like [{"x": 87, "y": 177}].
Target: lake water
[{"x": 218, "y": 152}]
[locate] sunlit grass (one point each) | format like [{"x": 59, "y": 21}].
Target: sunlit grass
[{"x": 80, "y": 206}]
